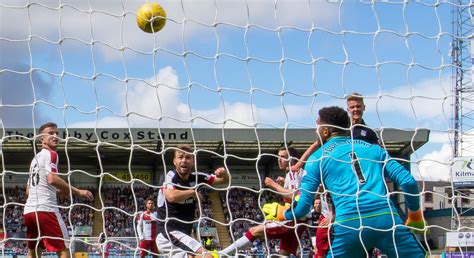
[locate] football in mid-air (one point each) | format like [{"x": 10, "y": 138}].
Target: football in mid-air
[{"x": 151, "y": 17}]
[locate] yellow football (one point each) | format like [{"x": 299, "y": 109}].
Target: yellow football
[{"x": 151, "y": 17}]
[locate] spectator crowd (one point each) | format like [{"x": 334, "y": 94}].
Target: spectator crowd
[{"x": 121, "y": 206}]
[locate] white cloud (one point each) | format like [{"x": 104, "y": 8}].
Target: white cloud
[
  {"x": 159, "y": 102},
  {"x": 434, "y": 166},
  {"x": 429, "y": 99},
  {"x": 245, "y": 115},
  {"x": 440, "y": 137}
]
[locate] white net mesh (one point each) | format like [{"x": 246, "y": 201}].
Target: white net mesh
[{"x": 216, "y": 66}]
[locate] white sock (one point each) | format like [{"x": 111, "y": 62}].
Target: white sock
[{"x": 241, "y": 242}]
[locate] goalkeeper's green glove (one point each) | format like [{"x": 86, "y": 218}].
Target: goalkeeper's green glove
[
  {"x": 415, "y": 220},
  {"x": 275, "y": 211}
]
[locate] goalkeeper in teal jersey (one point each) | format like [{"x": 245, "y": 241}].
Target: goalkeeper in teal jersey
[{"x": 353, "y": 172}]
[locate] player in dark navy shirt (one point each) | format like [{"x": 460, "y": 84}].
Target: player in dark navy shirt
[
  {"x": 177, "y": 202},
  {"x": 360, "y": 131}
]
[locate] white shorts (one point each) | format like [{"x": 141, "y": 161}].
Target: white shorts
[{"x": 176, "y": 244}]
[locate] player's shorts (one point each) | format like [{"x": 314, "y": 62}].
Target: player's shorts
[
  {"x": 347, "y": 238},
  {"x": 285, "y": 231},
  {"x": 176, "y": 244},
  {"x": 148, "y": 245},
  {"x": 322, "y": 238},
  {"x": 50, "y": 225}
]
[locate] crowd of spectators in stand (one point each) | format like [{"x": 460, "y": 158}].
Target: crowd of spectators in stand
[
  {"x": 79, "y": 215},
  {"x": 206, "y": 206},
  {"x": 14, "y": 212},
  {"x": 120, "y": 210}
]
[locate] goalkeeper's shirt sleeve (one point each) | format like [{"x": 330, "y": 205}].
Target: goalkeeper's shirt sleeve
[
  {"x": 397, "y": 173},
  {"x": 309, "y": 185}
]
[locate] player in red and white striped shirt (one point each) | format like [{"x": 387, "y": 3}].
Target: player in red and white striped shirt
[
  {"x": 147, "y": 229},
  {"x": 41, "y": 215},
  {"x": 285, "y": 231}
]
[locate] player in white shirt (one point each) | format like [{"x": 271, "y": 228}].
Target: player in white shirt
[
  {"x": 278, "y": 230},
  {"x": 147, "y": 229},
  {"x": 41, "y": 213}
]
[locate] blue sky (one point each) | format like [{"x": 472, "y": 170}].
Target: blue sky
[{"x": 229, "y": 63}]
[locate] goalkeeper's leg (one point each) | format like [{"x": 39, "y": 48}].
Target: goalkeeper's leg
[
  {"x": 347, "y": 238},
  {"x": 406, "y": 244}
]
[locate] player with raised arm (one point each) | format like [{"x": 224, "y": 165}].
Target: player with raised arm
[
  {"x": 355, "y": 107},
  {"x": 147, "y": 229},
  {"x": 292, "y": 180},
  {"x": 275, "y": 230},
  {"x": 41, "y": 214},
  {"x": 353, "y": 171},
  {"x": 177, "y": 203}
]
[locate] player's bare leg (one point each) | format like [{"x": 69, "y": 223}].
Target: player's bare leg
[
  {"x": 63, "y": 253},
  {"x": 35, "y": 253}
]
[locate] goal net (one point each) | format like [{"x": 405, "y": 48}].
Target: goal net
[{"x": 236, "y": 80}]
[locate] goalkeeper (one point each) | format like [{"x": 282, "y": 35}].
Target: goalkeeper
[{"x": 353, "y": 172}]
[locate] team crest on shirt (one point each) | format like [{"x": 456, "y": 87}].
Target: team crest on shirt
[{"x": 363, "y": 133}]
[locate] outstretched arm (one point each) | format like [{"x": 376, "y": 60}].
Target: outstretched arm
[
  {"x": 305, "y": 156},
  {"x": 286, "y": 193},
  {"x": 56, "y": 181},
  {"x": 309, "y": 187},
  {"x": 276, "y": 186}
]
